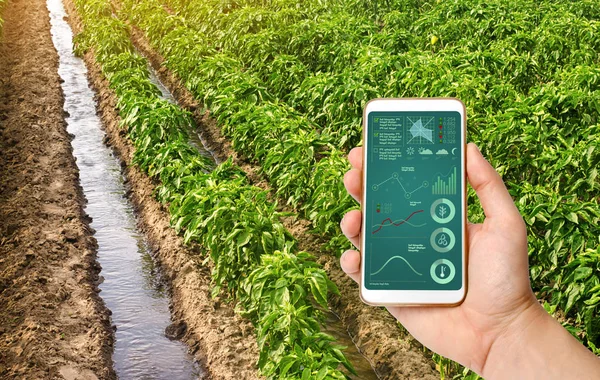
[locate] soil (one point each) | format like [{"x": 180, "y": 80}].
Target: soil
[
  {"x": 219, "y": 338},
  {"x": 392, "y": 352},
  {"x": 53, "y": 325}
]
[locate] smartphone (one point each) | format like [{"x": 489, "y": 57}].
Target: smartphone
[{"x": 413, "y": 238}]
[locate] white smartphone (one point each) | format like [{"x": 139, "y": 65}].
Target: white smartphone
[{"x": 413, "y": 239}]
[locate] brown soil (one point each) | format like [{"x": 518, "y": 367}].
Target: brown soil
[
  {"x": 219, "y": 338},
  {"x": 53, "y": 325},
  {"x": 392, "y": 352}
]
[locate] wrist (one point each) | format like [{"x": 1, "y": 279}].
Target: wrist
[{"x": 512, "y": 342}]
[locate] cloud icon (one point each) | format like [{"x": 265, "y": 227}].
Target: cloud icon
[
  {"x": 425, "y": 151},
  {"x": 442, "y": 151}
]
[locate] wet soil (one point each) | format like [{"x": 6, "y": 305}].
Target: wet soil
[
  {"x": 223, "y": 341},
  {"x": 132, "y": 288},
  {"x": 392, "y": 352},
  {"x": 53, "y": 325}
]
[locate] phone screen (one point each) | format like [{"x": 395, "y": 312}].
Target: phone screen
[{"x": 413, "y": 210}]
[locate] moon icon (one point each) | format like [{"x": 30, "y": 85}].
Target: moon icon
[{"x": 453, "y": 149}]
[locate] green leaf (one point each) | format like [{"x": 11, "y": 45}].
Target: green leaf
[
  {"x": 306, "y": 374},
  {"x": 582, "y": 273},
  {"x": 318, "y": 287},
  {"x": 572, "y": 217}
]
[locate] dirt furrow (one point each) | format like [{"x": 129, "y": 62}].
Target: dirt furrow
[
  {"x": 393, "y": 353},
  {"x": 223, "y": 341},
  {"x": 52, "y": 322}
]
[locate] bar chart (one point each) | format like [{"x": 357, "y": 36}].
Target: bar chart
[{"x": 446, "y": 186}]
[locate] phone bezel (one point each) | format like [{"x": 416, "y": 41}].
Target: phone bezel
[{"x": 417, "y": 297}]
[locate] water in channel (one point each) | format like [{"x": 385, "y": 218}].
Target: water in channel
[
  {"x": 333, "y": 325},
  {"x": 132, "y": 289},
  {"x": 195, "y": 138}
]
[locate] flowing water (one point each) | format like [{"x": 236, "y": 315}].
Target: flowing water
[
  {"x": 334, "y": 326},
  {"x": 132, "y": 288}
]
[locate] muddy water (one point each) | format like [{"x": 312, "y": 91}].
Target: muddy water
[
  {"x": 335, "y": 328},
  {"x": 131, "y": 288}
]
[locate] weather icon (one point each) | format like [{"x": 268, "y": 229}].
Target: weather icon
[
  {"x": 410, "y": 151},
  {"x": 441, "y": 152},
  {"x": 425, "y": 151}
]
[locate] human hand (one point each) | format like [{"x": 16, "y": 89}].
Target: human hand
[{"x": 499, "y": 299}]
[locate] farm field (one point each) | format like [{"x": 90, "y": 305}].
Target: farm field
[{"x": 231, "y": 121}]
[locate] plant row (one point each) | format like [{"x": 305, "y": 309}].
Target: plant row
[
  {"x": 338, "y": 60},
  {"x": 300, "y": 163},
  {"x": 526, "y": 70},
  {"x": 519, "y": 131},
  {"x": 253, "y": 257}
]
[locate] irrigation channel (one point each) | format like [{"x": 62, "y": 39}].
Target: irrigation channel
[
  {"x": 132, "y": 287},
  {"x": 333, "y": 325}
]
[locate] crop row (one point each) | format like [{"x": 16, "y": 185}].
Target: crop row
[
  {"x": 339, "y": 60},
  {"x": 484, "y": 85},
  {"x": 254, "y": 258},
  {"x": 490, "y": 67},
  {"x": 526, "y": 70},
  {"x": 299, "y": 162}
]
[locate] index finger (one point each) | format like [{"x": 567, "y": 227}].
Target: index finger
[{"x": 356, "y": 157}]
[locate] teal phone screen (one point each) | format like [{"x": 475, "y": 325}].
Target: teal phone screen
[{"x": 413, "y": 210}]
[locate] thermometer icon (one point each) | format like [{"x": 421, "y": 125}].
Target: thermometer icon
[{"x": 442, "y": 271}]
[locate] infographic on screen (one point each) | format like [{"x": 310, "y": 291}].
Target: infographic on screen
[{"x": 413, "y": 197}]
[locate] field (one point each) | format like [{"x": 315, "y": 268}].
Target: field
[{"x": 248, "y": 236}]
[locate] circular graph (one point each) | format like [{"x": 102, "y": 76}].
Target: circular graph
[
  {"x": 443, "y": 210},
  {"x": 442, "y": 271},
  {"x": 442, "y": 240}
]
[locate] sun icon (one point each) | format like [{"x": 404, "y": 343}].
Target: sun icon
[{"x": 410, "y": 151}]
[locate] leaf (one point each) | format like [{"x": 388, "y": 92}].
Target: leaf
[
  {"x": 318, "y": 287},
  {"x": 572, "y": 217},
  {"x": 244, "y": 238},
  {"x": 306, "y": 374},
  {"x": 582, "y": 273},
  {"x": 322, "y": 373}
]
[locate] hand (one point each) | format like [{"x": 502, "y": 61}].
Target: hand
[{"x": 499, "y": 293}]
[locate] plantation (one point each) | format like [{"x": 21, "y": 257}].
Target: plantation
[{"x": 285, "y": 83}]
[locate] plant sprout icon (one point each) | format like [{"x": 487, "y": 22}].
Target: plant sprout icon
[{"x": 442, "y": 211}]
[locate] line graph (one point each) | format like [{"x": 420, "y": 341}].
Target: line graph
[
  {"x": 394, "y": 258},
  {"x": 389, "y": 222},
  {"x": 396, "y": 177}
]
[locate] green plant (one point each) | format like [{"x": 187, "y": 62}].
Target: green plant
[
  {"x": 287, "y": 82},
  {"x": 215, "y": 207}
]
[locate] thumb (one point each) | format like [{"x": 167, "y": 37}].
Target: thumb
[{"x": 497, "y": 203}]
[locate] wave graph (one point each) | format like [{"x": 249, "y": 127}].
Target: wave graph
[
  {"x": 393, "y": 258},
  {"x": 389, "y": 222}
]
